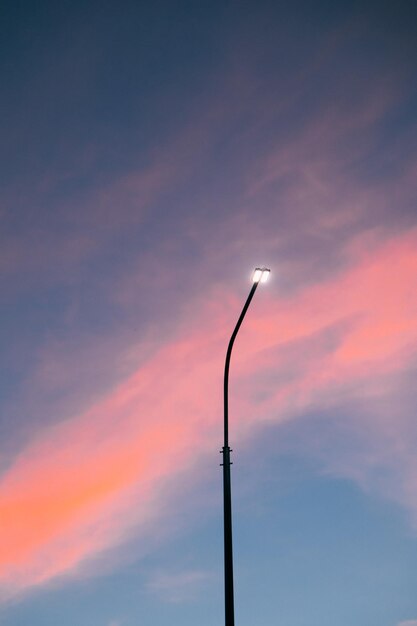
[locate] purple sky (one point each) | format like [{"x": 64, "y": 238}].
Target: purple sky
[{"x": 152, "y": 156}]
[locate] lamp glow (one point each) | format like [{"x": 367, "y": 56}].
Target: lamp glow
[
  {"x": 265, "y": 275},
  {"x": 261, "y": 274},
  {"x": 257, "y": 275}
]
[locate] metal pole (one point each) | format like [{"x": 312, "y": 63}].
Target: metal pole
[{"x": 227, "y": 494}]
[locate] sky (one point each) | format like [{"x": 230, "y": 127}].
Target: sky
[{"x": 152, "y": 155}]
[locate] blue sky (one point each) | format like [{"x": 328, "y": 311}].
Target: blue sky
[{"x": 152, "y": 156}]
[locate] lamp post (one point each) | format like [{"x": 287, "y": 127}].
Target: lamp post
[{"x": 260, "y": 275}]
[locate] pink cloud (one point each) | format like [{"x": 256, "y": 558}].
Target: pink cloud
[{"x": 80, "y": 487}]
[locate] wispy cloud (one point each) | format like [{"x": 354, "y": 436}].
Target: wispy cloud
[
  {"x": 85, "y": 483},
  {"x": 180, "y": 586}
]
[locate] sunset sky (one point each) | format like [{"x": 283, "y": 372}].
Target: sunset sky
[{"x": 153, "y": 154}]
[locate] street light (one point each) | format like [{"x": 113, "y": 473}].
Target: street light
[{"x": 260, "y": 275}]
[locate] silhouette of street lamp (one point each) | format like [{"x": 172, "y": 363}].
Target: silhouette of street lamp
[{"x": 260, "y": 275}]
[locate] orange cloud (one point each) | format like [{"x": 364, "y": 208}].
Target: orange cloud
[
  {"x": 81, "y": 486},
  {"x": 84, "y": 474}
]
